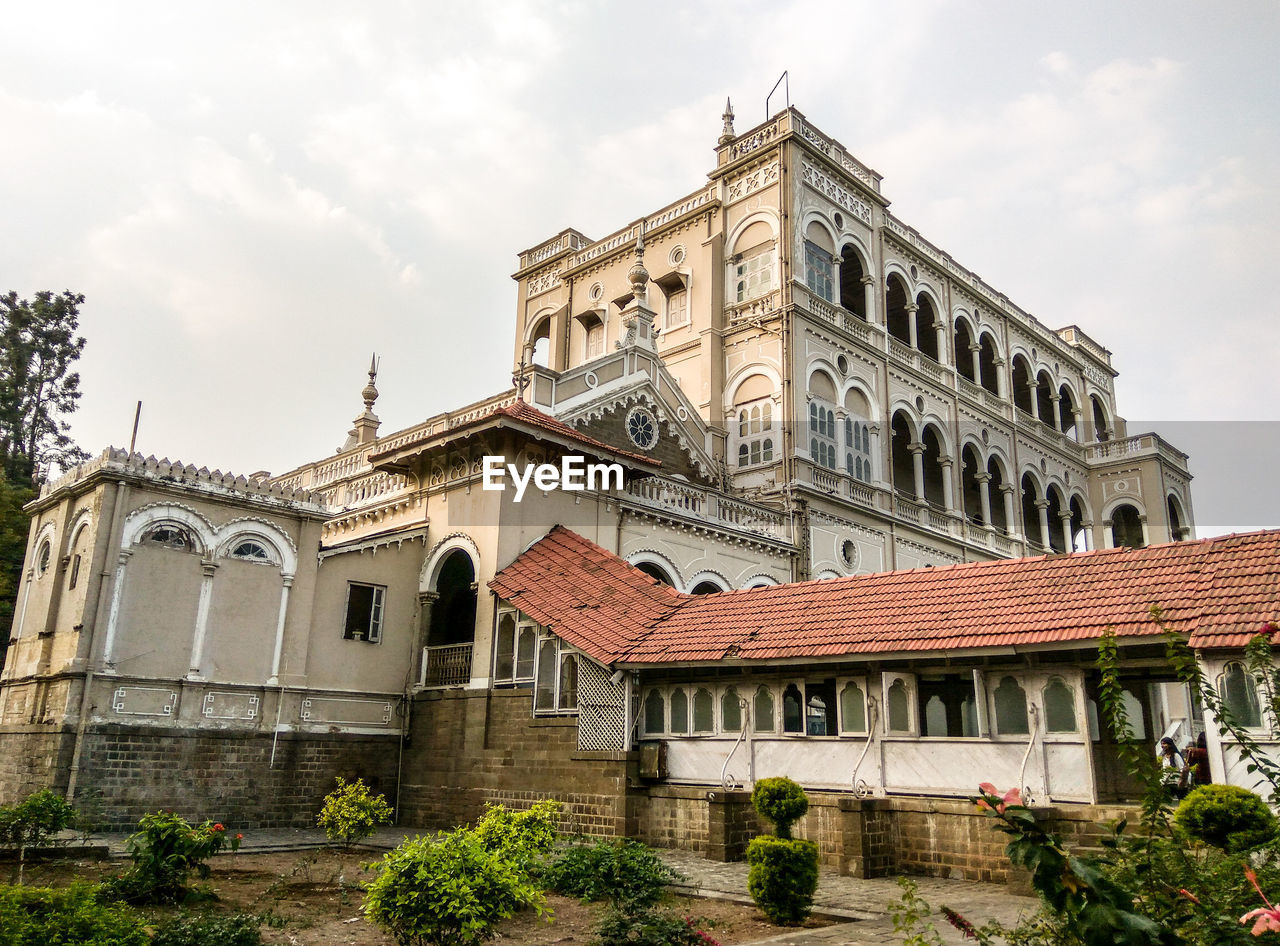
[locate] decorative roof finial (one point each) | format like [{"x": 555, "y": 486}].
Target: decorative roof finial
[
  {"x": 518, "y": 379},
  {"x": 727, "y": 134},
  {"x": 370, "y": 392},
  {"x": 638, "y": 275}
]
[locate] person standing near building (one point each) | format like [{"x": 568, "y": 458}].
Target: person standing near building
[
  {"x": 1172, "y": 765},
  {"x": 1196, "y": 772}
]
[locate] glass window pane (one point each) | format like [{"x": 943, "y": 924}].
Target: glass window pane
[
  {"x": 899, "y": 710},
  {"x": 679, "y": 712},
  {"x": 764, "y": 716},
  {"x": 545, "y": 698},
  {"x": 1059, "y": 707},
  {"x": 505, "y": 648},
  {"x": 1133, "y": 710},
  {"x": 1011, "y": 708},
  {"x": 1240, "y": 696},
  {"x": 524, "y": 653},
  {"x": 792, "y": 709},
  {"x": 654, "y": 712},
  {"x": 569, "y": 682},
  {"x": 730, "y": 711},
  {"x": 703, "y": 711},
  {"x": 853, "y": 709}
]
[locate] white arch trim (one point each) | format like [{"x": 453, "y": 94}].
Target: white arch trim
[
  {"x": 82, "y": 521},
  {"x": 652, "y": 557},
  {"x": 142, "y": 518},
  {"x": 765, "y": 214},
  {"x": 857, "y": 384},
  {"x": 708, "y": 575},
  {"x": 232, "y": 533},
  {"x": 742, "y": 374},
  {"x": 440, "y": 551},
  {"x": 1109, "y": 508},
  {"x": 760, "y": 580}
]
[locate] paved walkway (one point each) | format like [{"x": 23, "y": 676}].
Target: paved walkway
[{"x": 861, "y": 905}]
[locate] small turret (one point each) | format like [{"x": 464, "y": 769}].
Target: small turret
[{"x": 727, "y": 134}]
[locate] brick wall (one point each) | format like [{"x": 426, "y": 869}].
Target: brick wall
[
  {"x": 470, "y": 748},
  {"x": 128, "y": 771}
]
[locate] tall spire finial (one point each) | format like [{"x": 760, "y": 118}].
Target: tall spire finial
[
  {"x": 370, "y": 392},
  {"x": 638, "y": 275},
  {"x": 727, "y": 134}
]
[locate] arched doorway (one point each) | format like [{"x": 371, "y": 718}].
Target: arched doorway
[{"x": 449, "y": 612}]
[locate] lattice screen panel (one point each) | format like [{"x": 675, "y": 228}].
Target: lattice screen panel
[{"x": 602, "y": 715}]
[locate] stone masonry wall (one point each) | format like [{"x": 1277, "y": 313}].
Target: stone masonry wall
[
  {"x": 470, "y": 748},
  {"x": 226, "y": 776},
  {"x": 31, "y": 758}
]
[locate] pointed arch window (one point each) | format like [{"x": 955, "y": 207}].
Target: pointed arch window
[
  {"x": 763, "y": 710},
  {"x": 1240, "y": 696}
]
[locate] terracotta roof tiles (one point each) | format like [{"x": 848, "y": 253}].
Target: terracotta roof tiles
[{"x": 1219, "y": 591}]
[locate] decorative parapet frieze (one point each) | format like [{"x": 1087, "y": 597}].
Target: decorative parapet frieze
[{"x": 834, "y": 192}]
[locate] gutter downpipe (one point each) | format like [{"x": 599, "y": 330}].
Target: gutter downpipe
[{"x": 1033, "y": 714}]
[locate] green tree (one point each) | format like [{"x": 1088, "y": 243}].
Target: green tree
[{"x": 39, "y": 346}]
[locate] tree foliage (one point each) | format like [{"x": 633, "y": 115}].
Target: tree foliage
[{"x": 39, "y": 346}]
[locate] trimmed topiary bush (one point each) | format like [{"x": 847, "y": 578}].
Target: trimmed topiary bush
[
  {"x": 1226, "y": 816},
  {"x": 781, "y": 801},
  {"x": 784, "y": 870},
  {"x": 351, "y": 813}
]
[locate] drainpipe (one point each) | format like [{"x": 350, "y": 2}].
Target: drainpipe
[{"x": 1033, "y": 717}]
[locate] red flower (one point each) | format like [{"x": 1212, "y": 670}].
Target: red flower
[
  {"x": 219, "y": 827},
  {"x": 1265, "y": 920},
  {"x": 239, "y": 837},
  {"x": 1012, "y": 797}
]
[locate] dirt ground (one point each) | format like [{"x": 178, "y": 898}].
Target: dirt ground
[{"x": 314, "y": 898}]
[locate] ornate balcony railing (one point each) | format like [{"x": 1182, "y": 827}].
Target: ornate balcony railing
[{"x": 446, "y": 666}]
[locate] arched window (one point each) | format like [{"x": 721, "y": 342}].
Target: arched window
[
  {"x": 1022, "y": 386},
  {"x": 655, "y": 711},
  {"x": 1101, "y": 430},
  {"x": 926, "y": 333},
  {"x": 753, "y": 263},
  {"x": 1059, "y": 706},
  {"x": 852, "y": 295},
  {"x": 999, "y": 516},
  {"x": 706, "y": 587},
  {"x": 730, "y": 711},
  {"x": 704, "y": 719},
  {"x": 935, "y": 473},
  {"x": 898, "y": 705},
  {"x": 1126, "y": 528},
  {"x": 753, "y": 417},
  {"x": 453, "y": 613},
  {"x": 904, "y": 469},
  {"x": 540, "y": 341},
  {"x": 853, "y": 709},
  {"x": 964, "y": 343},
  {"x": 504, "y": 648},
  {"x": 819, "y": 267},
  {"x": 987, "y": 362},
  {"x": 897, "y": 318},
  {"x": 857, "y": 436},
  {"x": 970, "y": 487},
  {"x": 43, "y": 558},
  {"x": 170, "y": 536},
  {"x": 1011, "y": 708},
  {"x": 251, "y": 550},
  {"x": 568, "y": 694},
  {"x": 654, "y": 570},
  {"x": 762, "y": 710},
  {"x": 679, "y": 712},
  {"x": 1240, "y": 696}
]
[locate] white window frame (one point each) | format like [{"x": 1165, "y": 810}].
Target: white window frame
[
  {"x": 861, "y": 684},
  {"x": 670, "y": 320},
  {"x": 819, "y": 266},
  {"x": 377, "y": 612},
  {"x": 758, "y": 432},
  {"x": 524, "y": 627},
  {"x": 562, "y": 651},
  {"x": 1259, "y": 694},
  {"x": 887, "y": 679},
  {"x": 753, "y": 273},
  {"x": 995, "y": 680},
  {"x": 644, "y": 711},
  {"x": 798, "y": 683},
  {"x": 1074, "y": 689},
  {"x": 824, "y": 442}
]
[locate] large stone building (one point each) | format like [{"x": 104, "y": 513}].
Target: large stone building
[{"x": 799, "y": 387}]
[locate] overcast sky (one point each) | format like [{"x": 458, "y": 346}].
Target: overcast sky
[{"x": 255, "y": 197}]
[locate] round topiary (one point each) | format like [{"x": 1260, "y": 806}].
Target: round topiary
[
  {"x": 782, "y": 801},
  {"x": 1226, "y": 816},
  {"x": 783, "y": 877}
]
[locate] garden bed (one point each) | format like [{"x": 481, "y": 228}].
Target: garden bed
[{"x": 315, "y": 898}]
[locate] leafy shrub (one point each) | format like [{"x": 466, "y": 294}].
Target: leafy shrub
[
  {"x": 350, "y": 812},
  {"x": 237, "y": 929},
  {"x": 648, "y": 927},
  {"x": 1226, "y": 816},
  {"x": 446, "y": 891},
  {"x": 623, "y": 871},
  {"x": 522, "y": 837},
  {"x": 165, "y": 852},
  {"x": 783, "y": 877},
  {"x": 34, "y": 820},
  {"x": 40, "y": 916},
  {"x": 781, "y": 801}
]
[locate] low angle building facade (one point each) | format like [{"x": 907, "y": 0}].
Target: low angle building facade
[{"x": 869, "y": 522}]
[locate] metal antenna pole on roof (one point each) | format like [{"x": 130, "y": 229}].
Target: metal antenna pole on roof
[
  {"x": 133, "y": 440},
  {"x": 786, "y": 89}
]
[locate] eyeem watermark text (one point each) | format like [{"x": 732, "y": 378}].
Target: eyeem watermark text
[{"x": 574, "y": 474}]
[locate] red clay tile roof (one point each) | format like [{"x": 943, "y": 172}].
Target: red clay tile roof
[
  {"x": 523, "y": 412},
  {"x": 1218, "y": 591}
]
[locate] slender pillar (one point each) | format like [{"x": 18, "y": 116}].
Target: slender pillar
[
  {"x": 426, "y": 602},
  {"x": 202, "y": 619},
  {"x": 948, "y": 490},
  {"x": 869, "y": 297},
  {"x": 984, "y": 493},
  {"x": 1042, "y": 506},
  {"x": 26, "y": 596},
  {"x": 1035, "y": 399},
  {"x": 917, "y": 461},
  {"x": 975, "y": 352},
  {"x": 113, "y": 616},
  {"x": 1067, "y": 544},
  {"x": 1087, "y": 528},
  {"x": 940, "y": 333},
  {"x": 1108, "y": 534},
  {"x": 1146, "y": 536},
  {"x": 912, "y": 330},
  {"x": 1002, "y": 381},
  {"x": 1055, "y": 407},
  {"x": 1007, "y": 490},
  {"x": 286, "y": 584}
]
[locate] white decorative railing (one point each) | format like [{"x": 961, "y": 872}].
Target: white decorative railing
[
  {"x": 1148, "y": 444},
  {"x": 658, "y": 492},
  {"x": 903, "y": 352}
]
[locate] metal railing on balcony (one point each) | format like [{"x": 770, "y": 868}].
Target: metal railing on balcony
[{"x": 448, "y": 665}]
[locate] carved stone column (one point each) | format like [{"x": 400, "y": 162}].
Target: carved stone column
[
  {"x": 984, "y": 494},
  {"x": 917, "y": 461},
  {"x": 912, "y": 330}
]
